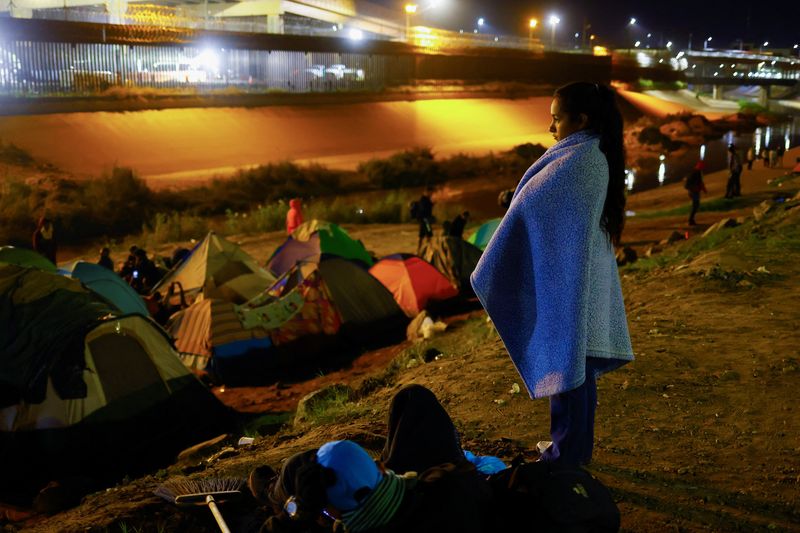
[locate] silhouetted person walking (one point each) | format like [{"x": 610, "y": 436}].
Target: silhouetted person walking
[
  {"x": 734, "y": 186},
  {"x": 694, "y": 185},
  {"x": 458, "y": 224}
]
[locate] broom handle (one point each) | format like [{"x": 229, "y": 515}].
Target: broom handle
[{"x": 217, "y": 515}]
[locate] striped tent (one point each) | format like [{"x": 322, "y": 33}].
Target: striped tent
[
  {"x": 244, "y": 344},
  {"x": 218, "y": 268},
  {"x": 84, "y": 392}
]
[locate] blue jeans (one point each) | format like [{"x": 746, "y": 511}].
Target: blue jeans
[{"x": 572, "y": 420}]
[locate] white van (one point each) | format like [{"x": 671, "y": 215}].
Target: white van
[{"x": 177, "y": 71}]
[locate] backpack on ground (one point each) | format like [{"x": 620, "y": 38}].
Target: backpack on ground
[{"x": 547, "y": 497}]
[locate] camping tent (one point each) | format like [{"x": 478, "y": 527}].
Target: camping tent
[
  {"x": 218, "y": 268},
  {"x": 314, "y": 240},
  {"x": 412, "y": 281},
  {"x": 480, "y": 237},
  {"x": 453, "y": 257},
  {"x": 312, "y": 310},
  {"x": 25, "y": 258},
  {"x": 83, "y": 392},
  {"x": 107, "y": 284}
]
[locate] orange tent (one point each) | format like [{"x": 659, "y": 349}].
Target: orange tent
[{"x": 412, "y": 281}]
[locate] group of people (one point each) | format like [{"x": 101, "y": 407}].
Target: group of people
[
  {"x": 422, "y": 212},
  {"x": 772, "y": 157},
  {"x": 733, "y": 188},
  {"x": 549, "y": 282}
]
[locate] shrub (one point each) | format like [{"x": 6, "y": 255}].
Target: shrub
[{"x": 410, "y": 168}]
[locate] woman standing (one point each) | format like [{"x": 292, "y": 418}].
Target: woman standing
[{"x": 548, "y": 278}]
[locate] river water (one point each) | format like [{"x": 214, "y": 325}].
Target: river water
[{"x": 715, "y": 154}]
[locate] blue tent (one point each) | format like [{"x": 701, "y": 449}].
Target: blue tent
[
  {"x": 107, "y": 284},
  {"x": 483, "y": 234}
]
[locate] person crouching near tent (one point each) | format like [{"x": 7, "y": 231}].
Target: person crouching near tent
[
  {"x": 563, "y": 319},
  {"x": 294, "y": 217}
]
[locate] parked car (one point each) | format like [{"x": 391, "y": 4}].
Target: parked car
[{"x": 340, "y": 71}]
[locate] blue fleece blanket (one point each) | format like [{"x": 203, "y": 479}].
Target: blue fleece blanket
[{"x": 548, "y": 278}]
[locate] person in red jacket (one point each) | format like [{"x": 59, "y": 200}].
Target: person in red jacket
[
  {"x": 694, "y": 185},
  {"x": 295, "y": 215}
]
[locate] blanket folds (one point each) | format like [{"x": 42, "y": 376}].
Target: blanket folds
[{"x": 548, "y": 277}]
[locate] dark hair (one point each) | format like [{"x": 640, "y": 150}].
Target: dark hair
[{"x": 598, "y": 103}]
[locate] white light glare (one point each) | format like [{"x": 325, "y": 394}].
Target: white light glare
[
  {"x": 356, "y": 35},
  {"x": 632, "y": 21},
  {"x": 481, "y": 22},
  {"x": 554, "y": 19}
]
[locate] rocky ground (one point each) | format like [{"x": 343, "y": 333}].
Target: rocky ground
[{"x": 700, "y": 433}]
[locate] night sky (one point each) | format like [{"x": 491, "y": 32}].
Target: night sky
[{"x": 776, "y": 21}]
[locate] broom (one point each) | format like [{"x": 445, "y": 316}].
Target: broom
[{"x": 185, "y": 492}]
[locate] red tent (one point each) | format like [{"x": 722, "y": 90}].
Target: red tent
[{"x": 412, "y": 281}]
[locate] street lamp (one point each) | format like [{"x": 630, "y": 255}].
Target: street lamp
[
  {"x": 410, "y": 10},
  {"x": 632, "y": 22},
  {"x": 669, "y": 45},
  {"x": 554, "y": 20},
  {"x": 631, "y": 26},
  {"x": 532, "y": 23},
  {"x": 481, "y": 22},
  {"x": 705, "y": 43}
]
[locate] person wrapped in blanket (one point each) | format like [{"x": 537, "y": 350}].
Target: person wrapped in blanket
[{"x": 423, "y": 481}]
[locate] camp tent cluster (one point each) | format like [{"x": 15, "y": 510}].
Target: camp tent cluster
[
  {"x": 330, "y": 294},
  {"x": 91, "y": 384}
]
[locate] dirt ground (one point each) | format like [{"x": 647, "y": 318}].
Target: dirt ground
[{"x": 700, "y": 433}]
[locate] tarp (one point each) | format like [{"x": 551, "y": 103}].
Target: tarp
[
  {"x": 412, "y": 281},
  {"x": 312, "y": 241},
  {"x": 25, "y": 258},
  {"x": 107, "y": 284},
  {"x": 218, "y": 268},
  {"x": 480, "y": 237},
  {"x": 453, "y": 257}
]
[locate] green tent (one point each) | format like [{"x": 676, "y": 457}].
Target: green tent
[
  {"x": 25, "y": 258},
  {"x": 314, "y": 240},
  {"x": 87, "y": 393},
  {"x": 481, "y": 236}
]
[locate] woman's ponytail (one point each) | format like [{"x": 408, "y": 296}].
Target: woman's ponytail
[{"x": 598, "y": 103}]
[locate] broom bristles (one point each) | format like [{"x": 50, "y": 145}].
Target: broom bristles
[{"x": 180, "y": 486}]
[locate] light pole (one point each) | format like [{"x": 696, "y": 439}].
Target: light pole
[
  {"x": 481, "y": 22},
  {"x": 554, "y": 20},
  {"x": 410, "y": 10},
  {"x": 631, "y": 25},
  {"x": 761, "y": 49},
  {"x": 705, "y": 43},
  {"x": 532, "y": 23}
]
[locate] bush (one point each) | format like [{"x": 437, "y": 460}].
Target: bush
[
  {"x": 410, "y": 168},
  {"x": 13, "y": 155}
]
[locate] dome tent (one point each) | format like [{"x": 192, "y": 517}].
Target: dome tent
[
  {"x": 314, "y": 240},
  {"x": 218, "y": 268},
  {"x": 25, "y": 258},
  {"x": 413, "y": 281},
  {"x": 85, "y": 392},
  {"x": 107, "y": 284},
  {"x": 481, "y": 236},
  {"x": 453, "y": 257}
]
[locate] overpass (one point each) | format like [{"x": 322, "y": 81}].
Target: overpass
[{"x": 727, "y": 68}]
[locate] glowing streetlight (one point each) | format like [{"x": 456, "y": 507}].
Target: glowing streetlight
[
  {"x": 532, "y": 23},
  {"x": 637, "y": 43},
  {"x": 705, "y": 43},
  {"x": 481, "y": 22},
  {"x": 554, "y": 20},
  {"x": 669, "y": 45},
  {"x": 410, "y": 10},
  {"x": 632, "y": 22}
]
